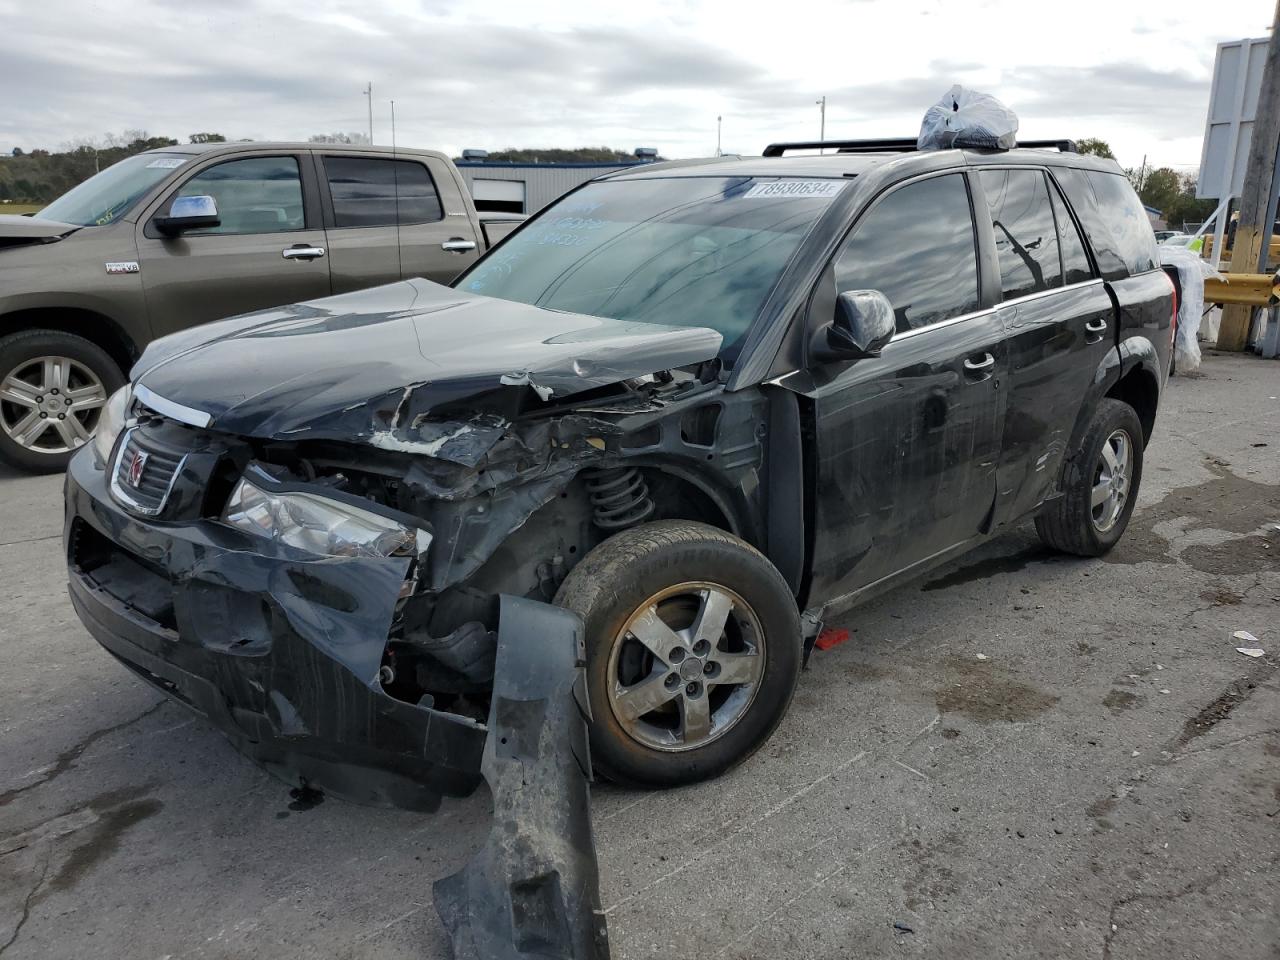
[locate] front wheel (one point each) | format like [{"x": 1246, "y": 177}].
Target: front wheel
[
  {"x": 53, "y": 387},
  {"x": 1100, "y": 485},
  {"x": 693, "y": 651}
]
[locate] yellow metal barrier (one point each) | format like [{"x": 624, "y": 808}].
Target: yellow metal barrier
[{"x": 1251, "y": 289}]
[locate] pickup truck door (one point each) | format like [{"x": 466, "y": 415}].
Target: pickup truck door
[
  {"x": 388, "y": 218},
  {"x": 268, "y": 250},
  {"x": 907, "y": 443}
]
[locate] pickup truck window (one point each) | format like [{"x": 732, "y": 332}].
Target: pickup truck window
[
  {"x": 367, "y": 192},
  {"x": 254, "y": 195},
  {"x": 109, "y": 195},
  {"x": 917, "y": 247},
  {"x": 693, "y": 251},
  {"x": 1026, "y": 236}
]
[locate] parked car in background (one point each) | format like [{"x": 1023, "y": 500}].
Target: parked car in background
[
  {"x": 706, "y": 406},
  {"x": 183, "y": 235}
]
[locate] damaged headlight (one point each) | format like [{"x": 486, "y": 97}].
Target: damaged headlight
[
  {"x": 320, "y": 525},
  {"x": 111, "y": 422}
]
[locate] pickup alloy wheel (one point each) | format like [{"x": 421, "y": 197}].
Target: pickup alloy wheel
[
  {"x": 53, "y": 387},
  {"x": 693, "y": 651}
]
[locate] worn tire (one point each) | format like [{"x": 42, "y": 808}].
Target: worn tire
[
  {"x": 1067, "y": 523},
  {"x": 615, "y": 579},
  {"x": 18, "y": 348}
]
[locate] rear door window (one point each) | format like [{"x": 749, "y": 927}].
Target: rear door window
[
  {"x": 1025, "y": 233},
  {"x": 917, "y": 247},
  {"x": 372, "y": 192},
  {"x": 1075, "y": 259}
]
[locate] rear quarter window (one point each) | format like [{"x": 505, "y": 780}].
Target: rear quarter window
[{"x": 1114, "y": 220}]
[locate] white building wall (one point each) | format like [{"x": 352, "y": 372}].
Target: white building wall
[{"x": 543, "y": 182}]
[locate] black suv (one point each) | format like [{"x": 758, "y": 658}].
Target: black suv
[{"x": 705, "y": 405}]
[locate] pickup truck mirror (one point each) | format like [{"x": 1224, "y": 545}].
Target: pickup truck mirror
[
  {"x": 189, "y": 213},
  {"x": 862, "y": 325}
]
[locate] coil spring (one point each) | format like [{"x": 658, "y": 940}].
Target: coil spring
[{"x": 619, "y": 497}]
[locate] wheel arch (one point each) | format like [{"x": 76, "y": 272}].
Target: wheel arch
[{"x": 96, "y": 327}]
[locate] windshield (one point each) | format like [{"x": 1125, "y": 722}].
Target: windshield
[
  {"x": 107, "y": 196},
  {"x": 693, "y": 252}
]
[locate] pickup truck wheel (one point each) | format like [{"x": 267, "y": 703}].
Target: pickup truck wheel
[
  {"x": 693, "y": 651},
  {"x": 53, "y": 387},
  {"x": 1100, "y": 485}
]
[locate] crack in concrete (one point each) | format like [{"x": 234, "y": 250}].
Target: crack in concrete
[
  {"x": 1196, "y": 886},
  {"x": 26, "y": 905},
  {"x": 67, "y": 758}
]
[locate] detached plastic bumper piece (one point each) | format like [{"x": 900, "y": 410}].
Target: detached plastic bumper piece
[{"x": 533, "y": 889}]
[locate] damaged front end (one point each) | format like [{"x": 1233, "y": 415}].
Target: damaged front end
[{"x": 314, "y": 565}]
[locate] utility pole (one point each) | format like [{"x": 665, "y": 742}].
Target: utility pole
[
  {"x": 822, "y": 120},
  {"x": 368, "y": 92},
  {"x": 718, "y": 122},
  {"x": 1253, "y": 230},
  {"x": 393, "y": 126}
]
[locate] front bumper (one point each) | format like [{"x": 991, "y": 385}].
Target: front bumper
[{"x": 280, "y": 653}]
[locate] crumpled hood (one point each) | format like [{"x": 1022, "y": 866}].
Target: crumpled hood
[
  {"x": 360, "y": 364},
  {"x": 30, "y": 228}
]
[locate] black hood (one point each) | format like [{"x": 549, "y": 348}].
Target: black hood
[{"x": 385, "y": 356}]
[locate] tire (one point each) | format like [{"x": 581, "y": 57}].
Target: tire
[
  {"x": 1074, "y": 523},
  {"x": 39, "y": 369},
  {"x": 701, "y": 568}
]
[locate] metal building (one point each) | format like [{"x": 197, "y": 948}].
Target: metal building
[{"x": 527, "y": 187}]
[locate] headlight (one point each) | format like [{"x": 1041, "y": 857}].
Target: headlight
[
  {"x": 111, "y": 422},
  {"x": 319, "y": 525}
]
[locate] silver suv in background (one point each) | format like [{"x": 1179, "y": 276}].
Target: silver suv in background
[{"x": 184, "y": 235}]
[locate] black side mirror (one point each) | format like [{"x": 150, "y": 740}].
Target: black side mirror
[
  {"x": 862, "y": 325},
  {"x": 189, "y": 213}
]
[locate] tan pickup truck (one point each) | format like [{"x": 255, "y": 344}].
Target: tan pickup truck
[{"x": 187, "y": 234}]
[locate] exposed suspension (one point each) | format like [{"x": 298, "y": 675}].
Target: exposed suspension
[{"x": 619, "y": 497}]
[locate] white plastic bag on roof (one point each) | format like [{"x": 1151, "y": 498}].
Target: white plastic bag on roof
[
  {"x": 1192, "y": 269},
  {"x": 966, "y": 118}
]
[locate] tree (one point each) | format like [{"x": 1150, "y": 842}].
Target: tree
[
  {"x": 208, "y": 138},
  {"x": 1160, "y": 188},
  {"x": 1185, "y": 208},
  {"x": 1095, "y": 147},
  {"x": 17, "y": 151},
  {"x": 339, "y": 138}
]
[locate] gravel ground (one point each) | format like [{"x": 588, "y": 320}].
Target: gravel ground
[{"x": 1018, "y": 755}]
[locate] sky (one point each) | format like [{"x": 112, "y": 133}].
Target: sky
[{"x": 513, "y": 73}]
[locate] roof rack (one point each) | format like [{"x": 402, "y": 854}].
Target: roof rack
[{"x": 899, "y": 145}]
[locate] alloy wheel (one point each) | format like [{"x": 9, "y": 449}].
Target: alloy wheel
[
  {"x": 51, "y": 404},
  {"x": 685, "y": 667},
  {"x": 1111, "y": 479}
]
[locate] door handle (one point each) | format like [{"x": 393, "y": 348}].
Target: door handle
[
  {"x": 458, "y": 245},
  {"x": 302, "y": 251},
  {"x": 1096, "y": 327},
  {"x": 979, "y": 364}
]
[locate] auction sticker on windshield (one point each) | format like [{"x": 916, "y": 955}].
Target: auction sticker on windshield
[
  {"x": 795, "y": 188},
  {"x": 165, "y": 163}
]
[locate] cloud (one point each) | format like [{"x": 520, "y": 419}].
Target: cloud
[{"x": 561, "y": 73}]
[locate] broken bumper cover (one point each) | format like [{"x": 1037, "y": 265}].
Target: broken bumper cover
[
  {"x": 533, "y": 889},
  {"x": 280, "y": 653}
]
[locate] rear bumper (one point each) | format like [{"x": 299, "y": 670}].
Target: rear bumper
[{"x": 280, "y": 654}]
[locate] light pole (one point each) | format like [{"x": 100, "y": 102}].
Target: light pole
[
  {"x": 393, "y": 126},
  {"x": 718, "y": 122},
  {"x": 822, "y": 120},
  {"x": 369, "y": 93}
]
